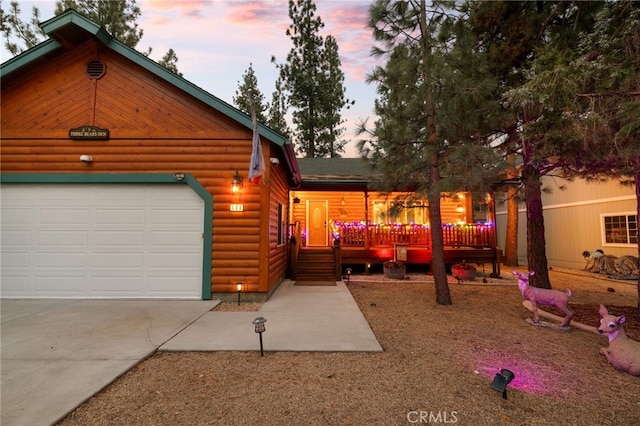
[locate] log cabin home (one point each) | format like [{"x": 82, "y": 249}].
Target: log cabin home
[
  {"x": 339, "y": 219},
  {"x": 117, "y": 178},
  {"x": 121, "y": 179}
]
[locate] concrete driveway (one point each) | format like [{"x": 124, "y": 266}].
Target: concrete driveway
[{"x": 57, "y": 353}]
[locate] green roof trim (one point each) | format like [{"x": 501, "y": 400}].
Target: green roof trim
[
  {"x": 71, "y": 17},
  {"x": 134, "y": 178},
  {"x": 32, "y": 54}
]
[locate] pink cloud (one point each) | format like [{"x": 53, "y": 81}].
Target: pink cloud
[
  {"x": 185, "y": 7},
  {"x": 258, "y": 12}
]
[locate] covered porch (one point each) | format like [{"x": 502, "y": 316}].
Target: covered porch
[{"x": 336, "y": 209}]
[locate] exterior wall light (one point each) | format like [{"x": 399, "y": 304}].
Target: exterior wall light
[
  {"x": 179, "y": 176},
  {"x": 236, "y": 183}
]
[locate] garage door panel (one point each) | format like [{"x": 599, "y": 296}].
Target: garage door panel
[
  {"x": 117, "y": 260},
  {"x": 101, "y": 241},
  {"x": 128, "y": 217},
  {"x": 15, "y": 282},
  {"x": 11, "y": 216},
  {"x": 119, "y": 238},
  {"x": 60, "y": 259},
  {"x": 52, "y": 285},
  {"x": 170, "y": 285},
  {"x": 16, "y": 239},
  {"x": 14, "y": 261},
  {"x": 123, "y": 285},
  {"x": 177, "y": 217},
  {"x": 72, "y": 217},
  {"x": 66, "y": 238},
  {"x": 162, "y": 261},
  {"x": 174, "y": 239}
]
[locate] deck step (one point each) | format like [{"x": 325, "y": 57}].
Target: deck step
[{"x": 316, "y": 265}]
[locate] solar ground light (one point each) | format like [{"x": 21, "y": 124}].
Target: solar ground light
[
  {"x": 349, "y": 272},
  {"x": 259, "y": 323},
  {"x": 501, "y": 380}
]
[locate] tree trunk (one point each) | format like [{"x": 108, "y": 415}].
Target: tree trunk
[
  {"x": 438, "y": 267},
  {"x": 536, "y": 256},
  {"x": 443, "y": 296},
  {"x": 511, "y": 240}
]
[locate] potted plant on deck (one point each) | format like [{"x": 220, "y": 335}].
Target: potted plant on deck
[
  {"x": 463, "y": 271},
  {"x": 394, "y": 269}
]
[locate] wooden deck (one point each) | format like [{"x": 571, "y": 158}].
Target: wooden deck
[{"x": 411, "y": 244}]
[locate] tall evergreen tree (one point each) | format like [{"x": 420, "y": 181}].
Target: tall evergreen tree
[
  {"x": 515, "y": 34},
  {"x": 600, "y": 119},
  {"x": 15, "y": 30},
  {"x": 313, "y": 80},
  {"x": 333, "y": 100},
  {"x": 278, "y": 109},
  {"x": 434, "y": 102},
  {"x": 118, "y": 17},
  {"x": 249, "y": 92}
]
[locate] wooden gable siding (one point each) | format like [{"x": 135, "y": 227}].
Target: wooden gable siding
[
  {"x": 128, "y": 100},
  {"x": 154, "y": 128}
]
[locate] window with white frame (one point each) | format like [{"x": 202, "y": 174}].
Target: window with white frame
[
  {"x": 385, "y": 212},
  {"x": 620, "y": 229}
]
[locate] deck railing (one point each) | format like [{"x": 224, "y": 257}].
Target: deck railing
[{"x": 478, "y": 235}]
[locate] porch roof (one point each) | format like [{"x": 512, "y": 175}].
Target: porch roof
[{"x": 336, "y": 173}]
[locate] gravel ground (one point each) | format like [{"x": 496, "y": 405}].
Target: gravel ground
[{"x": 437, "y": 366}]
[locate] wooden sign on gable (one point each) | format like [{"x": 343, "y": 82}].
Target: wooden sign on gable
[{"x": 89, "y": 132}]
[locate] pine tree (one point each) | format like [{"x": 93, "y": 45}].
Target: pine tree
[
  {"x": 313, "y": 81},
  {"x": 249, "y": 92},
  {"x": 333, "y": 100},
  {"x": 278, "y": 109},
  {"x": 118, "y": 17},
  {"x": 435, "y": 100},
  {"x": 14, "y": 28},
  {"x": 516, "y": 35}
]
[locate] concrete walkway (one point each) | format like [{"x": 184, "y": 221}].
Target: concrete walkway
[
  {"x": 299, "y": 318},
  {"x": 55, "y": 354}
]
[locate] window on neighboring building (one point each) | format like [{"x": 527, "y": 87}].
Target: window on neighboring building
[{"x": 620, "y": 229}]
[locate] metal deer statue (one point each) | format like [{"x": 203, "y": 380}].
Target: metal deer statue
[
  {"x": 623, "y": 353},
  {"x": 544, "y": 296}
]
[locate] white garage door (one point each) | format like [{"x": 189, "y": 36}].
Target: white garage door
[{"x": 101, "y": 241}]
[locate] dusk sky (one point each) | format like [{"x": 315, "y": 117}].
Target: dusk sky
[{"x": 216, "y": 40}]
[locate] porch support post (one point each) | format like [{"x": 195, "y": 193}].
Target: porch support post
[
  {"x": 366, "y": 219},
  {"x": 494, "y": 236}
]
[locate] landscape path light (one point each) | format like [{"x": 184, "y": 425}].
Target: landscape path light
[
  {"x": 349, "y": 272},
  {"x": 259, "y": 323}
]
